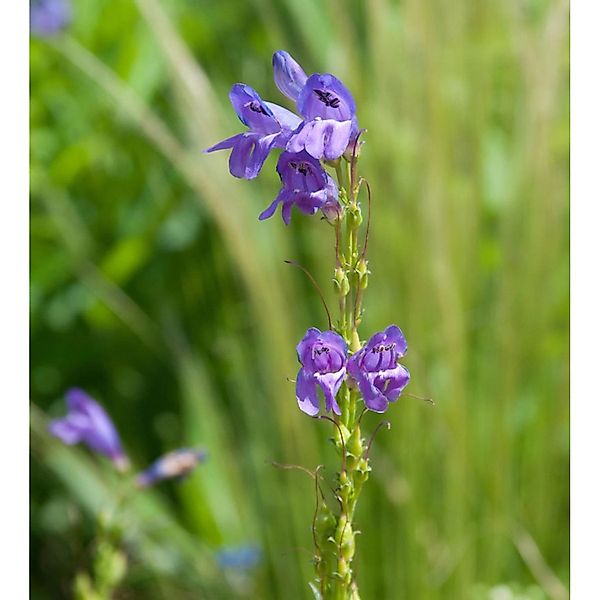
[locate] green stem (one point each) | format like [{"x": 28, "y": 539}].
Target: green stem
[{"x": 336, "y": 546}]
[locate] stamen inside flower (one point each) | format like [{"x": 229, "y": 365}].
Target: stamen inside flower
[
  {"x": 301, "y": 167},
  {"x": 383, "y": 348},
  {"x": 327, "y": 98},
  {"x": 256, "y": 107}
]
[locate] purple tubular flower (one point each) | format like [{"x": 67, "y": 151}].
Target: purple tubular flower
[
  {"x": 270, "y": 126},
  {"x": 323, "y": 359},
  {"x": 305, "y": 184},
  {"x": 177, "y": 463},
  {"x": 289, "y": 75},
  {"x": 375, "y": 367},
  {"x": 49, "y": 17},
  {"x": 89, "y": 423},
  {"x": 330, "y": 121}
]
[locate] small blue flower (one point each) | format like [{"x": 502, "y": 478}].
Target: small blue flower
[{"x": 176, "y": 464}]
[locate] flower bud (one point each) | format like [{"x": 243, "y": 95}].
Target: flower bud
[
  {"x": 289, "y": 75},
  {"x": 350, "y": 151},
  {"x": 332, "y": 211},
  {"x": 340, "y": 282},
  {"x": 324, "y": 523},
  {"x": 354, "y": 445},
  {"x": 355, "y": 218},
  {"x": 363, "y": 273}
]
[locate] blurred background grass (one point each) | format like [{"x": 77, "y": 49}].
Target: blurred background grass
[{"x": 156, "y": 289}]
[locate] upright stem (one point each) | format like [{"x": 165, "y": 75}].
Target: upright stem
[{"x": 336, "y": 540}]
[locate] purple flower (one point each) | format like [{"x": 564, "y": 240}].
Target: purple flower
[
  {"x": 89, "y": 423},
  {"x": 323, "y": 359},
  {"x": 305, "y": 184},
  {"x": 177, "y": 463},
  {"x": 329, "y": 115},
  {"x": 269, "y": 126},
  {"x": 289, "y": 75},
  {"x": 375, "y": 367},
  {"x": 48, "y": 17}
]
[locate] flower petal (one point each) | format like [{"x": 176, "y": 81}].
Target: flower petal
[
  {"x": 283, "y": 196},
  {"x": 286, "y": 118},
  {"x": 66, "y": 431},
  {"x": 325, "y": 96},
  {"x": 394, "y": 334},
  {"x": 252, "y": 110},
  {"x": 396, "y": 382},
  {"x": 289, "y": 75},
  {"x": 330, "y": 384},
  {"x": 322, "y": 139},
  {"x": 372, "y": 396},
  {"x": 227, "y": 143},
  {"x": 249, "y": 154},
  {"x": 306, "y": 393}
]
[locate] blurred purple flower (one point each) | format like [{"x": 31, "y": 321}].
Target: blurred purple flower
[
  {"x": 288, "y": 74},
  {"x": 270, "y": 126},
  {"x": 89, "y": 423},
  {"x": 323, "y": 359},
  {"x": 241, "y": 558},
  {"x": 175, "y": 464},
  {"x": 375, "y": 368},
  {"x": 305, "y": 184},
  {"x": 49, "y": 17}
]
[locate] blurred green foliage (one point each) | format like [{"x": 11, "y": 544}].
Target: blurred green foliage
[{"x": 155, "y": 288}]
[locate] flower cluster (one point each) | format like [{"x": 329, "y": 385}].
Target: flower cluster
[
  {"x": 374, "y": 369},
  {"x": 326, "y": 128}
]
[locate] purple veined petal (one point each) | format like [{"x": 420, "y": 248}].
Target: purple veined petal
[
  {"x": 393, "y": 334},
  {"x": 325, "y": 96},
  {"x": 299, "y": 171},
  {"x": 252, "y": 110},
  {"x": 330, "y": 384},
  {"x": 310, "y": 203},
  {"x": 286, "y": 118},
  {"x": 397, "y": 380},
  {"x": 335, "y": 340},
  {"x": 322, "y": 139},
  {"x": 306, "y": 393},
  {"x": 372, "y": 396},
  {"x": 304, "y": 347},
  {"x": 249, "y": 154},
  {"x": 289, "y": 75}
]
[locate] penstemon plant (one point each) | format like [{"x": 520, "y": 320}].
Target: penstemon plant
[{"x": 354, "y": 377}]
